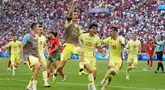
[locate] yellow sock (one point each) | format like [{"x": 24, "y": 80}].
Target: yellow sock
[
  {"x": 34, "y": 82},
  {"x": 30, "y": 83},
  {"x": 81, "y": 65},
  {"x": 55, "y": 71},
  {"x": 13, "y": 69},
  {"x": 44, "y": 74},
  {"x": 91, "y": 79},
  {"x": 107, "y": 75},
  {"x": 128, "y": 70}
]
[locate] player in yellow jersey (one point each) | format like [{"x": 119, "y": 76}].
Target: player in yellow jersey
[
  {"x": 71, "y": 46},
  {"x": 89, "y": 41},
  {"x": 133, "y": 46},
  {"x": 116, "y": 44},
  {"x": 41, "y": 45},
  {"x": 14, "y": 45}
]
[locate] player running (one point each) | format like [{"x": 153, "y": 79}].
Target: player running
[
  {"x": 14, "y": 46},
  {"x": 30, "y": 48},
  {"x": 41, "y": 45},
  {"x": 133, "y": 46},
  {"x": 54, "y": 54},
  {"x": 150, "y": 49},
  {"x": 116, "y": 44},
  {"x": 90, "y": 41},
  {"x": 71, "y": 46}
]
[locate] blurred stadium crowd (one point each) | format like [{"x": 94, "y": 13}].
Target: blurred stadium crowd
[{"x": 130, "y": 16}]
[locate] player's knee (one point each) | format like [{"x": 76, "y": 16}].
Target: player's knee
[{"x": 112, "y": 71}]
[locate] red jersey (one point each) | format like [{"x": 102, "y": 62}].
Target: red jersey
[
  {"x": 53, "y": 43},
  {"x": 150, "y": 49}
]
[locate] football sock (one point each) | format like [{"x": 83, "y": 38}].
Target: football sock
[
  {"x": 159, "y": 65},
  {"x": 162, "y": 66},
  {"x": 91, "y": 79},
  {"x": 9, "y": 63},
  {"x": 44, "y": 74},
  {"x": 81, "y": 66},
  {"x": 61, "y": 73}
]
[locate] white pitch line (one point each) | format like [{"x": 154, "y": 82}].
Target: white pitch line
[{"x": 75, "y": 84}]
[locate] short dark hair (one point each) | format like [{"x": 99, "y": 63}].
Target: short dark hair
[
  {"x": 33, "y": 25},
  {"x": 54, "y": 33},
  {"x": 92, "y": 25},
  {"x": 114, "y": 28}
]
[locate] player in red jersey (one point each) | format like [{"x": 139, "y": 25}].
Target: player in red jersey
[
  {"x": 54, "y": 53},
  {"x": 150, "y": 49}
]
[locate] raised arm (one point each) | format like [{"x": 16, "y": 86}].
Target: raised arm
[{"x": 72, "y": 9}]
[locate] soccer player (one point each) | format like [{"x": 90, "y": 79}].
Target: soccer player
[
  {"x": 71, "y": 46},
  {"x": 14, "y": 46},
  {"x": 89, "y": 42},
  {"x": 30, "y": 48},
  {"x": 159, "y": 53},
  {"x": 150, "y": 49},
  {"x": 54, "y": 54},
  {"x": 133, "y": 46},
  {"x": 41, "y": 45},
  {"x": 116, "y": 44}
]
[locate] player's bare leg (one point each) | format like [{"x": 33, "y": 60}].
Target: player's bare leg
[
  {"x": 81, "y": 61},
  {"x": 108, "y": 77},
  {"x": 44, "y": 74},
  {"x": 61, "y": 65},
  {"x": 55, "y": 64},
  {"x": 35, "y": 76}
]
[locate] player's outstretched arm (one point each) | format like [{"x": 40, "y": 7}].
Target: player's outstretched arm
[
  {"x": 22, "y": 54},
  {"x": 72, "y": 8},
  {"x": 101, "y": 51}
]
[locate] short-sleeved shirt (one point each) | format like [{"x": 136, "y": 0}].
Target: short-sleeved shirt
[
  {"x": 159, "y": 46},
  {"x": 150, "y": 49},
  {"x": 72, "y": 32},
  {"x": 41, "y": 43},
  {"x": 53, "y": 43},
  {"x": 134, "y": 47},
  {"x": 115, "y": 47},
  {"x": 14, "y": 47},
  {"x": 89, "y": 43}
]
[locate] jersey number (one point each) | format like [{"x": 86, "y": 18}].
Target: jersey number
[
  {"x": 89, "y": 44},
  {"x": 40, "y": 42},
  {"x": 114, "y": 46}
]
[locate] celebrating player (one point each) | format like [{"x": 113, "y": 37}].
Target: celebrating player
[
  {"x": 89, "y": 42},
  {"x": 116, "y": 44},
  {"x": 41, "y": 45},
  {"x": 14, "y": 45},
  {"x": 54, "y": 54},
  {"x": 133, "y": 46},
  {"x": 71, "y": 34},
  {"x": 159, "y": 53},
  {"x": 150, "y": 49},
  {"x": 30, "y": 47}
]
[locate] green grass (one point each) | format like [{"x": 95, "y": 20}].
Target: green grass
[{"x": 140, "y": 80}]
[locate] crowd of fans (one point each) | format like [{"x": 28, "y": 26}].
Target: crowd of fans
[{"x": 130, "y": 16}]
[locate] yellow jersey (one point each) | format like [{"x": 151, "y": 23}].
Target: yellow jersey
[
  {"x": 15, "y": 47},
  {"x": 41, "y": 44},
  {"x": 115, "y": 48},
  {"x": 133, "y": 47},
  {"x": 89, "y": 43}
]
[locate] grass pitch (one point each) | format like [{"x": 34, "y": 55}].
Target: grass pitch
[{"x": 139, "y": 79}]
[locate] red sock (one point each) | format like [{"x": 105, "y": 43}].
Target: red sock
[
  {"x": 151, "y": 64},
  {"x": 48, "y": 74},
  {"x": 9, "y": 63},
  {"x": 61, "y": 73},
  {"x": 148, "y": 62}
]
